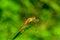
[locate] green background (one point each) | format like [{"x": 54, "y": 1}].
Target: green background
[{"x": 13, "y": 14}]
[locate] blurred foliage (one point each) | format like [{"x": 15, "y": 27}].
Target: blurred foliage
[{"x": 13, "y": 14}]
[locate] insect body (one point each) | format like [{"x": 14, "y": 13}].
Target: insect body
[
  {"x": 30, "y": 20},
  {"x": 23, "y": 26}
]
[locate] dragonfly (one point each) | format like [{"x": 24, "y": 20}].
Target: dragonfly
[{"x": 31, "y": 19}]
